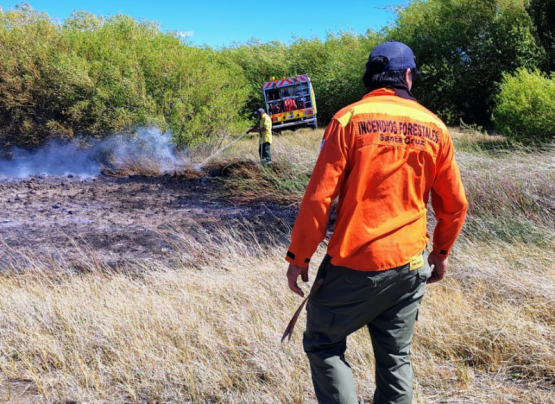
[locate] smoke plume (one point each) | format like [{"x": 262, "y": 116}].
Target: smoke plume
[{"x": 148, "y": 150}]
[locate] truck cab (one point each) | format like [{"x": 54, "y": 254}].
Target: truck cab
[{"x": 290, "y": 102}]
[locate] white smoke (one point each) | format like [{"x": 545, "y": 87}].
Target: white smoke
[{"x": 57, "y": 158}]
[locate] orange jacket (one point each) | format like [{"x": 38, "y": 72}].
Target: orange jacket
[{"x": 382, "y": 156}]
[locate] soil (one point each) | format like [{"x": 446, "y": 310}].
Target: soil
[{"x": 119, "y": 220}]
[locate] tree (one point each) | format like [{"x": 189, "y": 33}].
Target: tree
[
  {"x": 463, "y": 47},
  {"x": 543, "y": 15},
  {"x": 335, "y": 66}
]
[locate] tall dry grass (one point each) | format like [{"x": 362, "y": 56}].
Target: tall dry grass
[
  {"x": 293, "y": 156},
  {"x": 207, "y": 330},
  {"x": 299, "y": 149}
]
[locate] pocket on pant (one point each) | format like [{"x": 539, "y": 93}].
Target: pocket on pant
[
  {"x": 376, "y": 279},
  {"x": 425, "y": 272},
  {"x": 319, "y": 318}
]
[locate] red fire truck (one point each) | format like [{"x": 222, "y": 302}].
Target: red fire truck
[{"x": 290, "y": 102}]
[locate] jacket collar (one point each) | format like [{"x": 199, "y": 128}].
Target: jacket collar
[{"x": 399, "y": 91}]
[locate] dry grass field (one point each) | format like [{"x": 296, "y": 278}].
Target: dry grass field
[{"x": 207, "y": 329}]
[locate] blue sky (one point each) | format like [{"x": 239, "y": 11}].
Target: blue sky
[{"x": 222, "y": 22}]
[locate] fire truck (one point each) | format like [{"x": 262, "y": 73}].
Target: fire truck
[{"x": 290, "y": 102}]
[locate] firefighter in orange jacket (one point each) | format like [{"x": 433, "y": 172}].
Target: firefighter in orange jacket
[{"x": 382, "y": 156}]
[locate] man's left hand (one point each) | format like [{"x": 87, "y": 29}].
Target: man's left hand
[
  {"x": 439, "y": 266},
  {"x": 293, "y": 273}
]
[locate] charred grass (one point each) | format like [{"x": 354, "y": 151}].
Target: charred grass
[{"x": 207, "y": 330}]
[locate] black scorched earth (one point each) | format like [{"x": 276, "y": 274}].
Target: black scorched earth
[{"x": 119, "y": 222}]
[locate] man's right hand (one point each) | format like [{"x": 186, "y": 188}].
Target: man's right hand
[
  {"x": 439, "y": 267},
  {"x": 293, "y": 273}
]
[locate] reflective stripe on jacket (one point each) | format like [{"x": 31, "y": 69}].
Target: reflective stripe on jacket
[{"x": 383, "y": 156}]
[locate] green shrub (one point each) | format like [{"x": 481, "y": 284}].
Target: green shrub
[
  {"x": 525, "y": 107},
  {"x": 93, "y": 76}
]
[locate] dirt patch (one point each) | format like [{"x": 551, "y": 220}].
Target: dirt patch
[{"x": 118, "y": 220}]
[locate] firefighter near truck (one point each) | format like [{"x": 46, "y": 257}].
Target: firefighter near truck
[{"x": 290, "y": 102}]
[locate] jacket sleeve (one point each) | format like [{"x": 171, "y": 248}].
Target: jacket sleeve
[
  {"x": 323, "y": 188},
  {"x": 448, "y": 200}
]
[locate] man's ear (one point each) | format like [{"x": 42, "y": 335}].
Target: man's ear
[{"x": 408, "y": 78}]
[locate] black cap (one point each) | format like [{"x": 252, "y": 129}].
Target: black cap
[
  {"x": 389, "y": 56},
  {"x": 399, "y": 56},
  {"x": 259, "y": 111}
]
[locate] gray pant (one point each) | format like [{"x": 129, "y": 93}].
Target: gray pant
[
  {"x": 386, "y": 302},
  {"x": 265, "y": 153}
]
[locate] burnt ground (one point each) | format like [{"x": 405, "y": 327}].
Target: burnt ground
[{"x": 122, "y": 220}]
